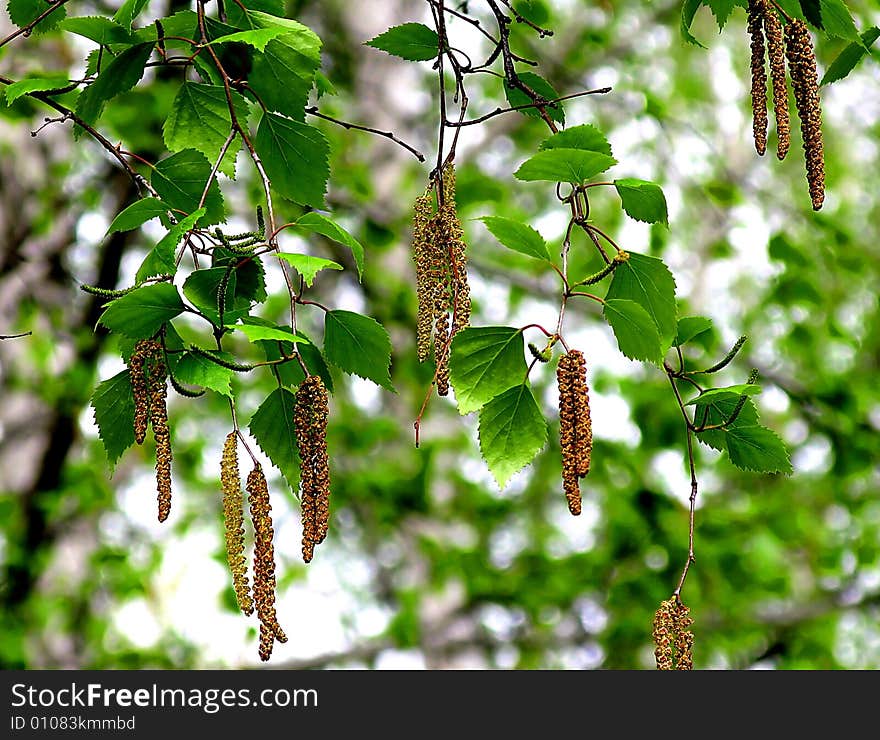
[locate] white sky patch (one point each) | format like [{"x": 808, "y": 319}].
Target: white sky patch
[
  {"x": 670, "y": 468},
  {"x": 813, "y": 457}
]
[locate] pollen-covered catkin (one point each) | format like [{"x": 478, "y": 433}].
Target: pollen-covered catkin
[
  {"x": 161, "y": 433},
  {"x": 759, "y": 75},
  {"x": 422, "y": 253},
  {"x": 144, "y": 354},
  {"x": 310, "y": 424},
  {"x": 673, "y": 640},
  {"x": 776, "y": 54},
  {"x": 264, "y": 562},
  {"x": 575, "y": 427},
  {"x": 233, "y": 518},
  {"x": 805, "y": 81}
]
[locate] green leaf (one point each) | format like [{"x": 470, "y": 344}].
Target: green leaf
[
  {"x": 200, "y": 120},
  {"x": 323, "y": 85},
  {"x": 122, "y": 74},
  {"x": 320, "y": 224},
  {"x": 259, "y": 332},
  {"x": 258, "y": 38},
  {"x": 690, "y": 327},
  {"x": 412, "y": 41},
  {"x": 512, "y": 431},
  {"x": 516, "y": 97},
  {"x": 722, "y": 9},
  {"x": 114, "y": 415},
  {"x": 296, "y": 158},
  {"x": 283, "y": 74},
  {"x": 290, "y": 373},
  {"x": 519, "y": 237},
  {"x": 838, "y": 21},
  {"x": 846, "y": 60},
  {"x": 634, "y": 329},
  {"x": 202, "y": 289},
  {"x": 688, "y": 11},
  {"x": 194, "y": 369},
  {"x": 23, "y": 12},
  {"x": 137, "y": 214},
  {"x": 308, "y": 266},
  {"x": 128, "y": 11},
  {"x": 642, "y": 200},
  {"x": 161, "y": 259},
  {"x": 718, "y": 412},
  {"x": 358, "y": 344},
  {"x": 250, "y": 285},
  {"x": 485, "y": 361},
  {"x": 758, "y": 449},
  {"x": 586, "y": 137},
  {"x": 34, "y": 84},
  {"x": 141, "y": 313},
  {"x": 648, "y": 282},
  {"x": 273, "y": 429},
  {"x": 564, "y": 165},
  {"x": 180, "y": 180},
  {"x": 731, "y": 391},
  {"x": 100, "y": 29},
  {"x": 812, "y": 10}
]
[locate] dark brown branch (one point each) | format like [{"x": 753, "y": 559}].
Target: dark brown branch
[{"x": 313, "y": 111}]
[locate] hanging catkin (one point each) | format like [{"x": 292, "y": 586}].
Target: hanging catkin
[
  {"x": 776, "y": 54},
  {"x": 673, "y": 640},
  {"x": 143, "y": 350},
  {"x": 440, "y": 255},
  {"x": 805, "y": 81},
  {"x": 161, "y": 433},
  {"x": 575, "y": 428},
  {"x": 759, "y": 76},
  {"x": 233, "y": 518},
  {"x": 264, "y": 562},
  {"x": 310, "y": 424}
]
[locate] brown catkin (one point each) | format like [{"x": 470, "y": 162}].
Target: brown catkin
[
  {"x": 805, "y": 81},
  {"x": 673, "y": 640},
  {"x": 776, "y": 54},
  {"x": 759, "y": 76},
  {"x": 233, "y": 519},
  {"x": 575, "y": 428},
  {"x": 161, "y": 433},
  {"x": 310, "y": 424},
  {"x": 139, "y": 387},
  {"x": 264, "y": 562},
  {"x": 440, "y": 254}
]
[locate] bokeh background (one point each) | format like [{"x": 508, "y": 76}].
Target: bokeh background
[{"x": 428, "y": 564}]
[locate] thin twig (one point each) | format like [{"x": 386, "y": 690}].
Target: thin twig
[{"x": 313, "y": 111}]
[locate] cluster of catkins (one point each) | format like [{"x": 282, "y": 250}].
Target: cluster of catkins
[
  {"x": 768, "y": 40},
  {"x": 148, "y": 373},
  {"x": 673, "y": 640},
  {"x": 263, "y": 598},
  {"x": 575, "y": 428},
  {"x": 439, "y": 253}
]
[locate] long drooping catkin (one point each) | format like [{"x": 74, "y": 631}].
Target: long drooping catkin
[
  {"x": 161, "y": 433},
  {"x": 440, "y": 254},
  {"x": 264, "y": 562},
  {"x": 143, "y": 350},
  {"x": 310, "y": 424},
  {"x": 776, "y": 54},
  {"x": 805, "y": 81},
  {"x": 575, "y": 427},
  {"x": 233, "y": 518},
  {"x": 759, "y": 76},
  {"x": 673, "y": 640}
]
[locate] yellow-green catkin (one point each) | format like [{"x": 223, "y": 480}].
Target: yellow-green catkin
[
  {"x": 673, "y": 640},
  {"x": 310, "y": 417},
  {"x": 776, "y": 55},
  {"x": 575, "y": 426},
  {"x": 805, "y": 82},
  {"x": 759, "y": 75},
  {"x": 264, "y": 562},
  {"x": 422, "y": 254},
  {"x": 140, "y": 391},
  {"x": 233, "y": 518}
]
